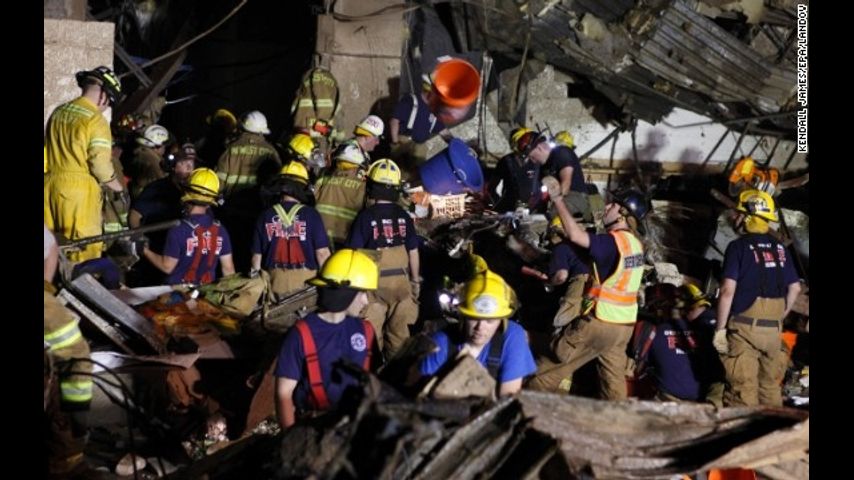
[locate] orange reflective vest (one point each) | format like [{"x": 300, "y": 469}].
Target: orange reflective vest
[{"x": 616, "y": 299}]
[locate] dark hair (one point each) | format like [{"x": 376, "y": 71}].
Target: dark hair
[
  {"x": 335, "y": 299},
  {"x": 381, "y": 191}
]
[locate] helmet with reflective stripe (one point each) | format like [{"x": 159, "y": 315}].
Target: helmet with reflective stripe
[
  {"x": 348, "y": 268},
  {"x": 296, "y": 171},
  {"x": 371, "y": 126},
  {"x": 758, "y": 203},
  {"x": 254, "y": 122},
  {"x": 350, "y": 153},
  {"x": 202, "y": 187},
  {"x": 154, "y": 136},
  {"x": 487, "y": 296},
  {"x": 302, "y": 145},
  {"x": 385, "y": 171},
  {"x": 104, "y": 77}
]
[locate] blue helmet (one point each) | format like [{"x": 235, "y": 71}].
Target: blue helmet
[{"x": 633, "y": 201}]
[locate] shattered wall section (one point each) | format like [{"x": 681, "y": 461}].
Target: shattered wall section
[
  {"x": 363, "y": 52},
  {"x": 71, "y": 46}
]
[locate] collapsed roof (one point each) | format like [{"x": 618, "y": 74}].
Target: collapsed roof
[{"x": 728, "y": 61}]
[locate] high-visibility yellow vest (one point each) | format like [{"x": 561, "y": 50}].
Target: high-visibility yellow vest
[{"x": 617, "y": 297}]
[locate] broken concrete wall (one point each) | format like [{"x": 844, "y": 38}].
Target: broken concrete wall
[
  {"x": 364, "y": 55},
  {"x": 673, "y": 142},
  {"x": 71, "y": 46}
]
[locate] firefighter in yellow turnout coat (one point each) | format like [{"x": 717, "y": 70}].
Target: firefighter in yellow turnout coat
[{"x": 78, "y": 147}]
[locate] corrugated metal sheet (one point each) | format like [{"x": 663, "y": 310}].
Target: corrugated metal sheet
[
  {"x": 690, "y": 50},
  {"x": 649, "y": 59}
]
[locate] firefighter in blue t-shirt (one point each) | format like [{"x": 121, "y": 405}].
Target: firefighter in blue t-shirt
[
  {"x": 289, "y": 240},
  {"x": 759, "y": 287},
  {"x": 388, "y": 230},
  {"x": 194, "y": 248},
  {"x": 665, "y": 344},
  {"x": 486, "y": 333},
  {"x": 603, "y": 332},
  {"x": 311, "y": 350}
]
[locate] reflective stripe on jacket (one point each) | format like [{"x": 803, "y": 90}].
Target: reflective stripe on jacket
[{"x": 617, "y": 297}]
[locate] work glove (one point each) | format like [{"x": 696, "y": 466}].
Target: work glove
[
  {"x": 552, "y": 187},
  {"x": 720, "y": 342}
]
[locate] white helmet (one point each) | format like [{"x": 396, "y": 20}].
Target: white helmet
[
  {"x": 350, "y": 153},
  {"x": 371, "y": 125},
  {"x": 254, "y": 122},
  {"x": 154, "y": 136}
]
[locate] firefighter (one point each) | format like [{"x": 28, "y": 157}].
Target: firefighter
[
  {"x": 78, "y": 149},
  {"x": 247, "y": 163},
  {"x": 221, "y": 126},
  {"x": 145, "y": 167},
  {"x": 561, "y": 162},
  {"x": 160, "y": 201},
  {"x": 301, "y": 148},
  {"x": 702, "y": 318},
  {"x": 367, "y": 136},
  {"x": 566, "y": 267},
  {"x": 520, "y": 176},
  {"x": 759, "y": 287},
  {"x": 603, "y": 330},
  {"x": 304, "y": 371},
  {"x": 486, "y": 333},
  {"x": 666, "y": 343},
  {"x": 388, "y": 229},
  {"x": 67, "y": 404},
  {"x": 249, "y": 157},
  {"x": 289, "y": 236},
  {"x": 412, "y": 125},
  {"x": 341, "y": 193},
  {"x": 194, "y": 248}
]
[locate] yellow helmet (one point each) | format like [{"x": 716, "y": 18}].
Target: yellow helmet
[
  {"x": 479, "y": 265},
  {"x": 565, "y": 138},
  {"x": 223, "y": 118},
  {"x": 385, "y": 171},
  {"x": 302, "y": 145},
  {"x": 202, "y": 187},
  {"x": 348, "y": 268},
  {"x": 487, "y": 296},
  {"x": 757, "y": 203},
  {"x": 556, "y": 223},
  {"x": 693, "y": 296},
  {"x": 296, "y": 171},
  {"x": 517, "y": 135}
]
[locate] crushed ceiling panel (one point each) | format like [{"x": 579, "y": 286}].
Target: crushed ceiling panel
[{"x": 649, "y": 57}]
